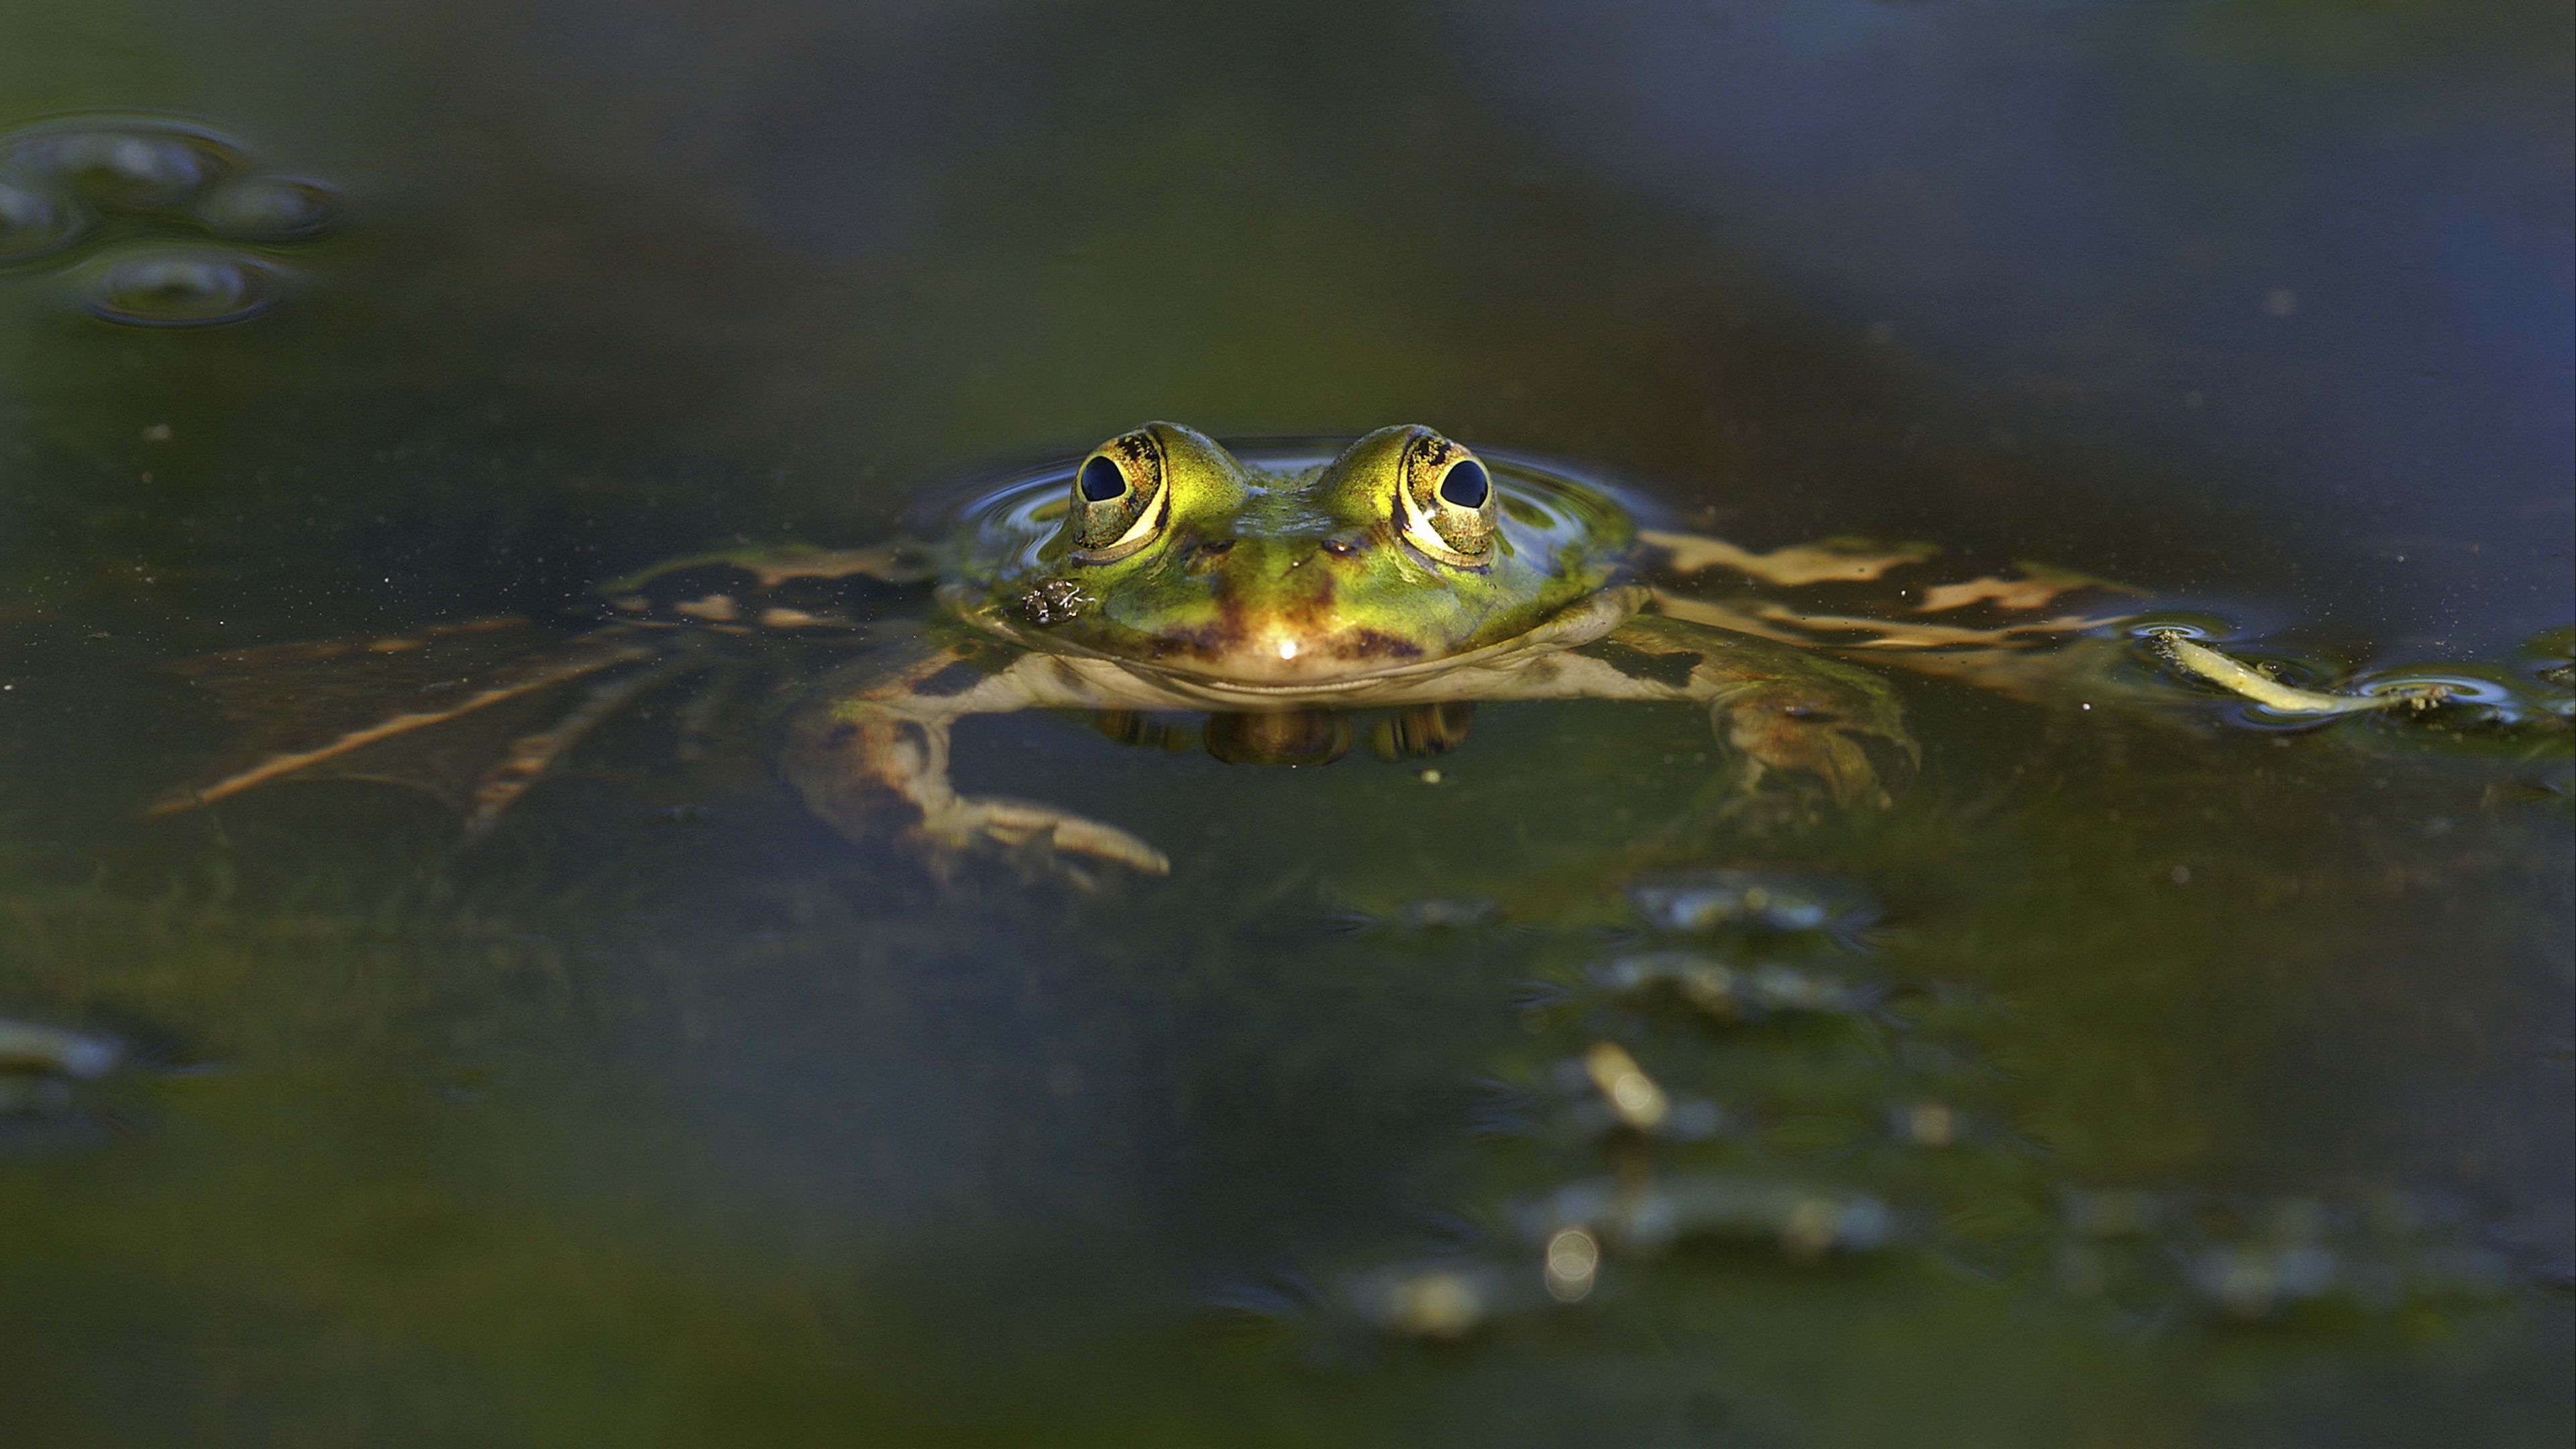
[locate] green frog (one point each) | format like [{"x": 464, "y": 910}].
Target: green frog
[{"x": 1277, "y": 594}]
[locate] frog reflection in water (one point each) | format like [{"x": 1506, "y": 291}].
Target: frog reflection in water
[{"x": 1168, "y": 575}]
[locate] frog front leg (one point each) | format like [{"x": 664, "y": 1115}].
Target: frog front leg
[
  {"x": 1782, "y": 709},
  {"x": 882, "y": 745}
]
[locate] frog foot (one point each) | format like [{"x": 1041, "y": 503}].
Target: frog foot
[
  {"x": 1819, "y": 729},
  {"x": 968, "y": 822},
  {"x": 863, "y": 759}
]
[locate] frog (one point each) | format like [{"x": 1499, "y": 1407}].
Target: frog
[{"x": 1275, "y": 593}]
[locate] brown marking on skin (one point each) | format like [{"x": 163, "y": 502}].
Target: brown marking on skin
[
  {"x": 280, "y": 765},
  {"x": 1140, "y": 447},
  {"x": 303, "y": 650},
  {"x": 1429, "y": 451},
  {"x": 531, "y": 756},
  {"x": 956, "y": 678},
  {"x": 1206, "y": 641},
  {"x": 2037, "y": 588},
  {"x": 1833, "y": 560},
  {"x": 1670, "y": 668},
  {"x": 1372, "y": 644},
  {"x": 714, "y": 608}
]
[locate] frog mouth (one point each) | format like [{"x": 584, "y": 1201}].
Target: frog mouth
[{"x": 1223, "y": 670}]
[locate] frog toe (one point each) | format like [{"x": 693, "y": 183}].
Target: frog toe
[
  {"x": 1851, "y": 741},
  {"x": 1014, "y": 824}
]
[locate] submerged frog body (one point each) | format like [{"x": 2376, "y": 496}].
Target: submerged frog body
[
  {"x": 1404, "y": 572},
  {"x": 1164, "y": 574}
]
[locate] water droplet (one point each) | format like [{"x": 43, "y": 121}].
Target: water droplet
[
  {"x": 269, "y": 209},
  {"x": 34, "y": 223},
  {"x": 182, "y": 287}
]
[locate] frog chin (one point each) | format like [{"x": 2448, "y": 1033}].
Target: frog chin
[{"x": 1282, "y": 658}]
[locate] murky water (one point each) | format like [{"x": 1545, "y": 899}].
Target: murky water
[{"x": 2153, "y": 1070}]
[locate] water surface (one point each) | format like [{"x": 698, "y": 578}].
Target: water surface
[{"x": 664, "y": 1114}]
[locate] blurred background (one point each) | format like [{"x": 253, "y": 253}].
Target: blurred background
[{"x": 2240, "y": 297}]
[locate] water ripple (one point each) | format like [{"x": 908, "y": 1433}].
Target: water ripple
[
  {"x": 182, "y": 286},
  {"x": 157, "y": 222}
]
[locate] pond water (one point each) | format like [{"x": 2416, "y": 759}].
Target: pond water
[{"x": 2167, "y": 1075}]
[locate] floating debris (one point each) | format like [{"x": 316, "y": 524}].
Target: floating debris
[
  {"x": 1731, "y": 994},
  {"x": 1633, "y": 1097},
  {"x": 1782, "y": 904},
  {"x": 1804, "y": 1220},
  {"x": 1573, "y": 1263},
  {"x": 1448, "y": 1299},
  {"x": 2258, "y": 1281},
  {"x": 1604, "y": 1093},
  {"x": 2205, "y": 662},
  {"x": 1928, "y": 1124},
  {"x": 2254, "y": 1259}
]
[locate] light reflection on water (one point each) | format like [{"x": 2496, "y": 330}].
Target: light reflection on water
[{"x": 663, "y": 1113}]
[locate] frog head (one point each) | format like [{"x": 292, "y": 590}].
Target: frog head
[{"x": 1406, "y": 548}]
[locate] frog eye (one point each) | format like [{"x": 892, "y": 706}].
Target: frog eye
[
  {"x": 1448, "y": 506},
  {"x": 1118, "y": 498}
]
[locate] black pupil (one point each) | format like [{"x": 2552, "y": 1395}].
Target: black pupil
[
  {"x": 1466, "y": 485},
  {"x": 1101, "y": 480}
]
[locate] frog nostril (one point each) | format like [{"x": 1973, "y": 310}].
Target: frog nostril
[{"x": 1340, "y": 547}]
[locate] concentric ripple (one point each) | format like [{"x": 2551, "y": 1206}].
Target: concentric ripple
[
  {"x": 182, "y": 287},
  {"x": 164, "y": 223},
  {"x": 269, "y": 209},
  {"x": 123, "y": 163},
  {"x": 35, "y": 222}
]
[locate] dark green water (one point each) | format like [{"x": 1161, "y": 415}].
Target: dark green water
[{"x": 665, "y": 1115}]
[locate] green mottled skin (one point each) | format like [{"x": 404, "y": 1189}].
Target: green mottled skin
[
  {"x": 1315, "y": 560},
  {"x": 1191, "y": 582}
]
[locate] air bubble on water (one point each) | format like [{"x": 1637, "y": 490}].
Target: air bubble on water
[
  {"x": 2201, "y": 628},
  {"x": 2450, "y": 685},
  {"x": 269, "y": 209},
  {"x": 125, "y": 164},
  {"x": 182, "y": 287},
  {"x": 35, "y": 222},
  {"x": 2458, "y": 685}
]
